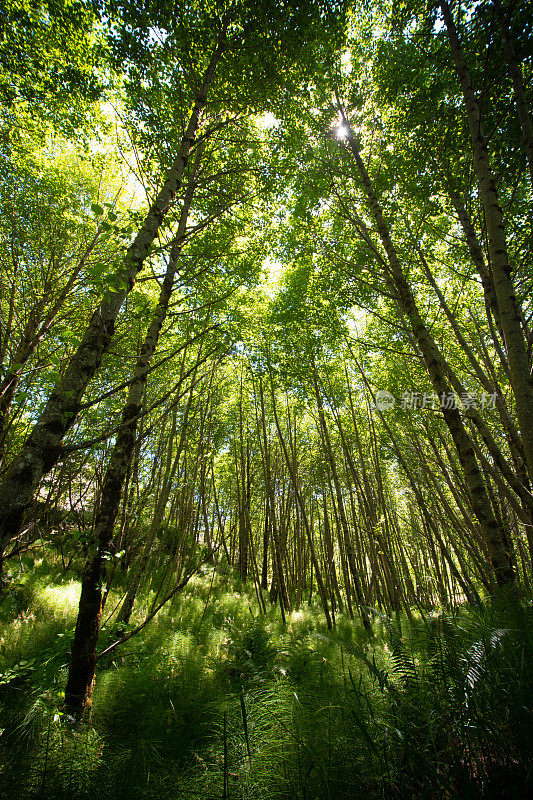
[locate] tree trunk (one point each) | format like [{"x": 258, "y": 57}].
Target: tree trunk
[
  {"x": 348, "y": 543},
  {"x": 43, "y": 446},
  {"x": 433, "y": 360},
  {"x": 510, "y": 314},
  {"x": 83, "y": 658},
  {"x": 320, "y": 583}
]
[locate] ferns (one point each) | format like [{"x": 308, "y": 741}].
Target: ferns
[{"x": 440, "y": 707}]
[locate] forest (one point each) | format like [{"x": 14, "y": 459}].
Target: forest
[{"x": 266, "y": 399}]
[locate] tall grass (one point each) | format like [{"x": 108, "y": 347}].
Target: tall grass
[{"x": 438, "y": 707}]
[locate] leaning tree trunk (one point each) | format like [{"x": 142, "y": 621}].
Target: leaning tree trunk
[
  {"x": 42, "y": 448},
  {"x": 171, "y": 467},
  {"x": 434, "y": 364},
  {"x": 39, "y": 323},
  {"x": 508, "y": 306},
  {"x": 83, "y": 656}
]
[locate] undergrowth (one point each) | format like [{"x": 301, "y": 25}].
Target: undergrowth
[{"x": 212, "y": 700}]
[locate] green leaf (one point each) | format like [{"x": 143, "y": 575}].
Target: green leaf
[{"x": 97, "y": 209}]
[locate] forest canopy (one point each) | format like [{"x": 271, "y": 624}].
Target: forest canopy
[{"x": 266, "y": 398}]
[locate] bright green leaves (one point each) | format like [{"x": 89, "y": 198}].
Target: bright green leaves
[
  {"x": 111, "y": 227},
  {"x": 51, "y": 52}
]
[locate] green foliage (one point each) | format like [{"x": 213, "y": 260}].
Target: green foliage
[
  {"x": 439, "y": 707},
  {"x": 430, "y": 707},
  {"x": 50, "y": 55}
]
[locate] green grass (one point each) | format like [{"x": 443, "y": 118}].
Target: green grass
[{"x": 438, "y": 709}]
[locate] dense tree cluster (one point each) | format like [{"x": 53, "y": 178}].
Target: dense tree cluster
[{"x": 266, "y": 303}]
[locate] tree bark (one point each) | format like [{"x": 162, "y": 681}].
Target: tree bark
[
  {"x": 433, "y": 360},
  {"x": 509, "y": 310},
  {"x": 43, "y": 446},
  {"x": 300, "y": 501},
  {"x": 83, "y": 656},
  {"x": 348, "y": 544}
]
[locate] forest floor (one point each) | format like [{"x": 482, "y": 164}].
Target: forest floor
[{"x": 212, "y": 700}]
